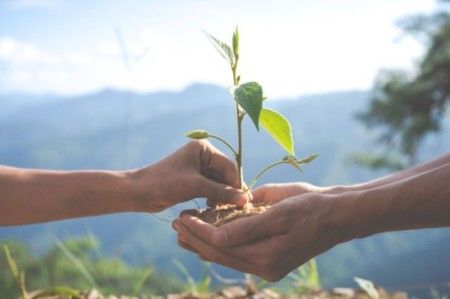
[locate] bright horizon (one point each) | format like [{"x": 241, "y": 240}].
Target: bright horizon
[{"x": 291, "y": 47}]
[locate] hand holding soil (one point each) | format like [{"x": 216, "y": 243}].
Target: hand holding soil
[{"x": 271, "y": 244}]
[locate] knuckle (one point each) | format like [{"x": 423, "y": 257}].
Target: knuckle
[
  {"x": 196, "y": 145},
  {"x": 201, "y": 143}
]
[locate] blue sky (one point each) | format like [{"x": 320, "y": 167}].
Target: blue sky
[{"x": 291, "y": 47}]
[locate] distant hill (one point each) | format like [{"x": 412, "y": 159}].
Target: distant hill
[{"x": 117, "y": 129}]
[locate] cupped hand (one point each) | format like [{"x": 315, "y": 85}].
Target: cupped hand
[
  {"x": 269, "y": 245},
  {"x": 197, "y": 169}
]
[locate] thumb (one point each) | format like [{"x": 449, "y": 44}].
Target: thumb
[{"x": 218, "y": 192}]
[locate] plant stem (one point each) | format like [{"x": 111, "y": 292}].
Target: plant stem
[
  {"x": 224, "y": 142},
  {"x": 262, "y": 172},
  {"x": 239, "y": 117}
]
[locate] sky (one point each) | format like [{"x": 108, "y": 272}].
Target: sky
[{"x": 291, "y": 47}]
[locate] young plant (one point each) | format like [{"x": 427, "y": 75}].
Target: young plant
[{"x": 249, "y": 99}]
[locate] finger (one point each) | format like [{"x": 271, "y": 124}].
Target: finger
[
  {"x": 253, "y": 253},
  {"x": 224, "y": 168},
  {"x": 211, "y": 254},
  {"x": 217, "y": 192},
  {"x": 199, "y": 228},
  {"x": 180, "y": 238},
  {"x": 238, "y": 232},
  {"x": 186, "y": 246},
  {"x": 259, "y": 194}
]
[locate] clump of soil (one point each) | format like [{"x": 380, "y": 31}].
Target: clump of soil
[{"x": 223, "y": 214}]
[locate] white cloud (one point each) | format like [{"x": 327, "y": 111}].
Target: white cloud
[
  {"x": 156, "y": 61},
  {"x": 18, "y": 52},
  {"x": 152, "y": 57}
]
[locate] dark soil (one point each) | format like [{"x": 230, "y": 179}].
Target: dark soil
[{"x": 223, "y": 214}]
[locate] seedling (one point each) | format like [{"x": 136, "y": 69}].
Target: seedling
[{"x": 249, "y": 100}]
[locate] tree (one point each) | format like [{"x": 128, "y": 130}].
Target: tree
[{"x": 405, "y": 106}]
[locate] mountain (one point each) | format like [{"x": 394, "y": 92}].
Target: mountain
[{"x": 118, "y": 129}]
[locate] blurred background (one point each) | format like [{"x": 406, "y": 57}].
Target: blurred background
[{"x": 116, "y": 84}]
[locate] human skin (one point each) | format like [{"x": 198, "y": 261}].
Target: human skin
[
  {"x": 196, "y": 170},
  {"x": 307, "y": 220}
]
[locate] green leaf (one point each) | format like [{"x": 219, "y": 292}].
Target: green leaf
[
  {"x": 307, "y": 159},
  {"x": 250, "y": 96},
  {"x": 223, "y": 49},
  {"x": 236, "y": 43},
  {"x": 279, "y": 128},
  {"x": 197, "y": 134}
]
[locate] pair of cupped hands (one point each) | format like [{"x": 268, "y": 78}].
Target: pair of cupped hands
[{"x": 295, "y": 229}]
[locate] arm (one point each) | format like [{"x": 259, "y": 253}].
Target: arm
[
  {"x": 29, "y": 196},
  {"x": 196, "y": 170},
  {"x": 410, "y": 172},
  {"x": 299, "y": 228},
  {"x": 417, "y": 201},
  {"x": 272, "y": 193}
]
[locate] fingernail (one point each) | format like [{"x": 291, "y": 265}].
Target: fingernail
[{"x": 241, "y": 198}]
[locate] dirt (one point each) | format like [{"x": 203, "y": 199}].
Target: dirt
[
  {"x": 223, "y": 214},
  {"x": 237, "y": 292}
]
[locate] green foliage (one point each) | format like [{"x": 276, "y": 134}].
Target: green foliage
[
  {"x": 279, "y": 128},
  {"x": 406, "y": 107},
  {"x": 60, "y": 267},
  {"x": 61, "y": 291},
  {"x": 250, "y": 97},
  {"x": 236, "y": 43},
  {"x": 249, "y": 101},
  {"x": 306, "y": 278},
  {"x": 139, "y": 283},
  {"x": 18, "y": 275},
  {"x": 203, "y": 286},
  {"x": 223, "y": 49},
  {"x": 76, "y": 262}
]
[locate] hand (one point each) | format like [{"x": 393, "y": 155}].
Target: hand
[
  {"x": 273, "y": 193},
  {"x": 196, "y": 170},
  {"x": 269, "y": 245}
]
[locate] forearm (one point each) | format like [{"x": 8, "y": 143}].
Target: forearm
[
  {"x": 30, "y": 196},
  {"x": 420, "y": 201},
  {"x": 407, "y": 173}
]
